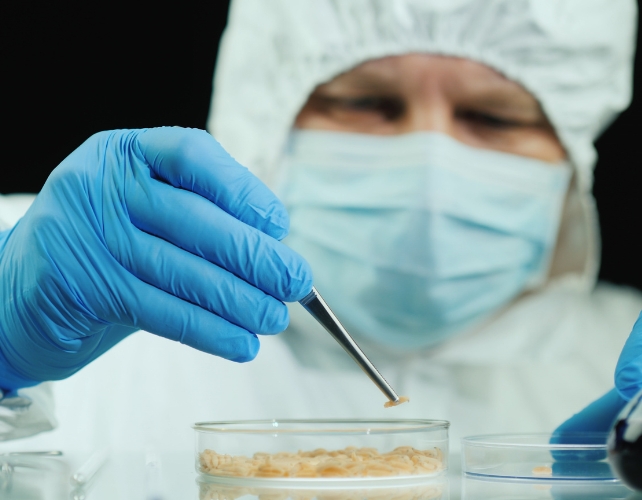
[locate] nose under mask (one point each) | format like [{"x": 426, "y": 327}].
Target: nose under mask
[{"x": 414, "y": 238}]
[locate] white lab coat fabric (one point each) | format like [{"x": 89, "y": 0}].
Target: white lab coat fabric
[
  {"x": 539, "y": 363},
  {"x": 535, "y": 363}
]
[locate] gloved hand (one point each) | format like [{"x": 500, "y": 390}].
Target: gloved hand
[
  {"x": 600, "y": 415},
  {"x": 156, "y": 229}
]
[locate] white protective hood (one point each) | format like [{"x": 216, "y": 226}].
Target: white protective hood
[{"x": 575, "y": 56}]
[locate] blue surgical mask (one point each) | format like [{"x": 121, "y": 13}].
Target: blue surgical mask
[{"x": 413, "y": 238}]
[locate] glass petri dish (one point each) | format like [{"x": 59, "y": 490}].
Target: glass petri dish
[
  {"x": 321, "y": 453},
  {"x": 573, "y": 456}
]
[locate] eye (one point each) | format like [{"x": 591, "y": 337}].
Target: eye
[
  {"x": 489, "y": 120},
  {"x": 390, "y": 108}
]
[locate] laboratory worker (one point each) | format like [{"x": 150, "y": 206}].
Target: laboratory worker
[{"x": 435, "y": 158}]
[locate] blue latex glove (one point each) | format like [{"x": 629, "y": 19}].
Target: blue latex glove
[
  {"x": 156, "y": 229},
  {"x": 600, "y": 415}
]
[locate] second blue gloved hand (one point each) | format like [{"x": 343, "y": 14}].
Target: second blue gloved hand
[
  {"x": 628, "y": 373},
  {"x": 600, "y": 415},
  {"x": 156, "y": 229}
]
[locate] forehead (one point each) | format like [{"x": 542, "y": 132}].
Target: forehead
[{"x": 416, "y": 72}]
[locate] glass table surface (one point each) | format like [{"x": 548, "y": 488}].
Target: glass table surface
[{"x": 169, "y": 476}]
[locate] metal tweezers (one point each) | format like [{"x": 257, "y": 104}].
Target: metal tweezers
[{"x": 317, "y": 307}]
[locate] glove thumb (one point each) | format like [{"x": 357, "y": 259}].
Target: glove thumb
[{"x": 628, "y": 372}]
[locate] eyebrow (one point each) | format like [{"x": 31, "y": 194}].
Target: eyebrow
[
  {"x": 501, "y": 87},
  {"x": 505, "y": 98},
  {"x": 365, "y": 80}
]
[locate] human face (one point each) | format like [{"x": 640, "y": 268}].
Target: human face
[{"x": 419, "y": 92}]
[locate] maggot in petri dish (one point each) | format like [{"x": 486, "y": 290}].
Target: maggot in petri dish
[{"x": 322, "y": 463}]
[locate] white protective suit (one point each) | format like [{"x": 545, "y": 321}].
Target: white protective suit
[{"x": 542, "y": 358}]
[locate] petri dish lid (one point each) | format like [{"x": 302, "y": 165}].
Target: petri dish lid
[
  {"x": 538, "y": 457},
  {"x": 322, "y": 426}
]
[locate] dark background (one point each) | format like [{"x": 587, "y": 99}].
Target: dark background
[{"x": 71, "y": 70}]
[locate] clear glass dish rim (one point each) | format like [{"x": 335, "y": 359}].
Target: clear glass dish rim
[
  {"x": 329, "y": 483},
  {"x": 486, "y": 441},
  {"x": 359, "y": 426}
]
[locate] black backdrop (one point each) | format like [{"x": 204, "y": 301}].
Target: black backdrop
[{"x": 71, "y": 70}]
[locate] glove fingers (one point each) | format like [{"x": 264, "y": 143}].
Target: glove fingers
[
  {"x": 196, "y": 280},
  {"x": 163, "y": 314},
  {"x": 191, "y": 159},
  {"x": 191, "y": 222},
  {"x": 628, "y": 372}
]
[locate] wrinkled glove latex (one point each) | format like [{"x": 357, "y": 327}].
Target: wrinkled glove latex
[
  {"x": 159, "y": 230},
  {"x": 600, "y": 415}
]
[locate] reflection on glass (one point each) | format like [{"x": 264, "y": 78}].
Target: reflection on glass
[
  {"x": 433, "y": 490},
  {"x": 29, "y": 477},
  {"x": 486, "y": 489}
]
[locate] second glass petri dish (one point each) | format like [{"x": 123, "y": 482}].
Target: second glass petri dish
[
  {"x": 321, "y": 453},
  {"x": 578, "y": 456}
]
